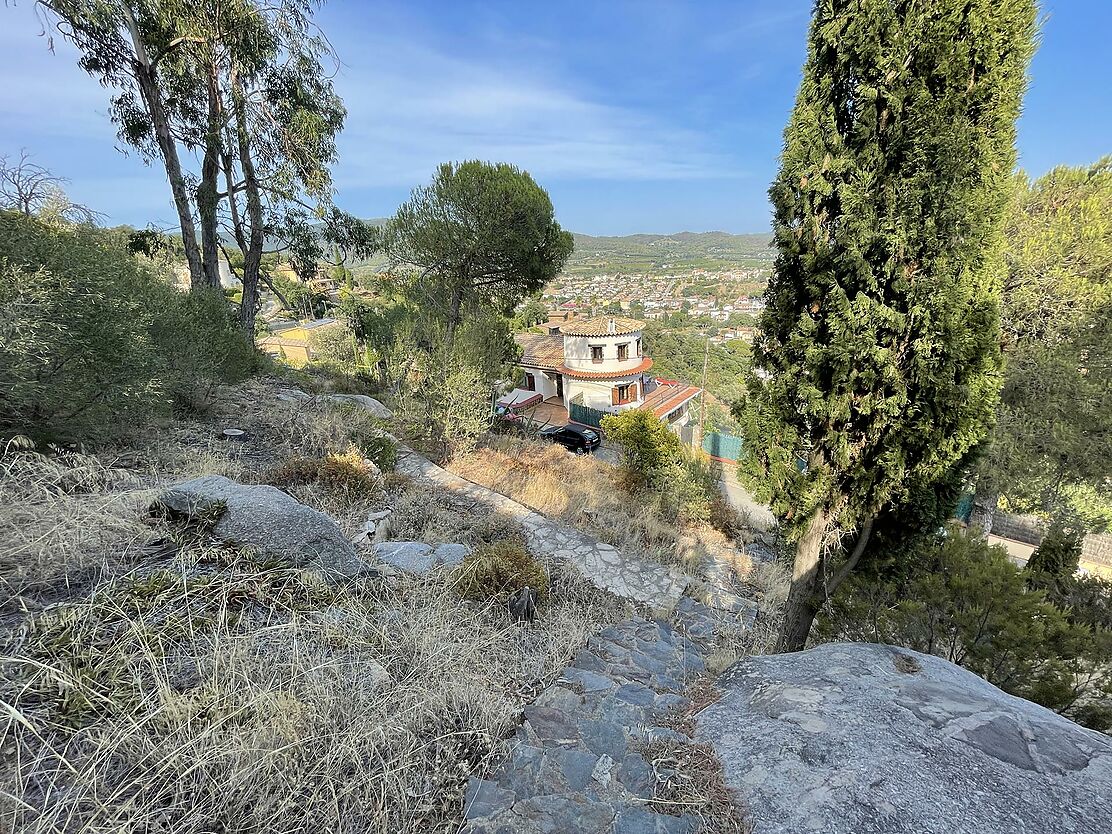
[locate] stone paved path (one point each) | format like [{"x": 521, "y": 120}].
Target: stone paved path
[
  {"x": 575, "y": 764},
  {"x": 647, "y": 582}
]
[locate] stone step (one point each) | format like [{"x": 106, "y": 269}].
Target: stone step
[{"x": 574, "y": 763}]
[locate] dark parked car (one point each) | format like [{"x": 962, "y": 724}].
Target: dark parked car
[{"x": 578, "y": 439}]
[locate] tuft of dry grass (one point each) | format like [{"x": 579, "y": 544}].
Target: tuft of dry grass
[
  {"x": 578, "y": 490},
  {"x": 689, "y": 780},
  {"x": 498, "y": 570},
  {"x": 424, "y": 512}
]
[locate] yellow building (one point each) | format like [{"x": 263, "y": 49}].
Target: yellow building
[{"x": 290, "y": 341}]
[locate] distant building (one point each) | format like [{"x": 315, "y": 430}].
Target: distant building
[
  {"x": 289, "y": 341},
  {"x": 599, "y": 363}
]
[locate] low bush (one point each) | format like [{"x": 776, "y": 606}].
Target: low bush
[
  {"x": 654, "y": 458},
  {"x": 963, "y": 599},
  {"x": 347, "y": 474},
  {"x": 94, "y": 338},
  {"x": 496, "y": 571}
]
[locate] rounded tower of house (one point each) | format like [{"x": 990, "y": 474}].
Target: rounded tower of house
[{"x": 604, "y": 363}]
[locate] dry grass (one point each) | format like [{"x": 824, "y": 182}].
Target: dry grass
[
  {"x": 194, "y": 689},
  {"x": 245, "y": 699},
  {"x": 689, "y": 780},
  {"x": 580, "y": 491}
]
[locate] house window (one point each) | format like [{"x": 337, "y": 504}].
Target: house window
[
  {"x": 596, "y": 353},
  {"x": 622, "y": 394},
  {"x": 623, "y": 353},
  {"x": 638, "y": 348},
  {"x": 530, "y": 382}
]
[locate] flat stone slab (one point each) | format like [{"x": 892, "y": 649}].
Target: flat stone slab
[
  {"x": 854, "y": 737},
  {"x": 266, "y": 519},
  {"x": 419, "y": 558},
  {"x": 647, "y": 582}
]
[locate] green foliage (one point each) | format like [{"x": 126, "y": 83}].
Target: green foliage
[
  {"x": 494, "y": 572},
  {"x": 650, "y": 450},
  {"x": 1059, "y": 553},
  {"x": 1052, "y": 447},
  {"x": 680, "y": 354},
  {"x": 878, "y": 356},
  {"x": 654, "y": 459},
  {"x": 480, "y": 236},
  {"x": 335, "y": 345},
  {"x": 964, "y": 600},
  {"x": 531, "y": 313},
  {"x": 304, "y": 301},
  {"x": 93, "y": 338}
]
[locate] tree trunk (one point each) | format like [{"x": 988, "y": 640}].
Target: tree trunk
[
  {"x": 453, "y": 319},
  {"x": 803, "y": 600},
  {"x": 253, "y": 254},
  {"x": 146, "y": 77},
  {"x": 984, "y": 511},
  {"x": 206, "y": 191}
]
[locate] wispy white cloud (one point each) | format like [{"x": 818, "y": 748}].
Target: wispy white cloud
[{"x": 411, "y": 107}]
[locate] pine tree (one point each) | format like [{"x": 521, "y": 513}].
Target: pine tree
[{"x": 879, "y": 359}]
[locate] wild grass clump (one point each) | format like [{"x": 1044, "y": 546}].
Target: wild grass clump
[
  {"x": 69, "y": 667},
  {"x": 496, "y": 571},
  {"x": 347, "y": 475}
]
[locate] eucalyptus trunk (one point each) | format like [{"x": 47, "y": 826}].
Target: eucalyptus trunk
[
  {"x": 207, "y": 197},
  {"x": 147, "y": 78}
]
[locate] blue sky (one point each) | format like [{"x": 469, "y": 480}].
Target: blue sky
[{"x": 636, "y": 116}]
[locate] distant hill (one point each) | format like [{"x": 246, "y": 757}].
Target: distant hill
[
  {"x": 644, "y": 253},
  {"x": 675, "y": 252}
]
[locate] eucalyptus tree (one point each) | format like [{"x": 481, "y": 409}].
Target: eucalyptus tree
[
  {"x": 123, "y": 44},
  {"x": 242, "y": 83},
  {"x": 879, "y": 356}
]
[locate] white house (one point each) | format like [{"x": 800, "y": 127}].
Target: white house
[{"x": 600, "y": 363}]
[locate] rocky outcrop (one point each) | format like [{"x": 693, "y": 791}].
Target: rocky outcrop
[
  {"x": 266, "y": 519},
  {"x": 370, "y": 404},
  {"x": 848, "y": 738}
]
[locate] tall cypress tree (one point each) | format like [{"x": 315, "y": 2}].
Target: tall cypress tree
[{"x": 879, "y": 357}]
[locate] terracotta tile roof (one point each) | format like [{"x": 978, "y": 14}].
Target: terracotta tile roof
[
  {"x": 602, "y": 326},
  {"x": 540, "y": 351},
  {"x": 636, "y": 370},
  {"x": 667, "y": 398}
]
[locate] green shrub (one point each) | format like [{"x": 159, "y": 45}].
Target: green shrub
[
  {"x": 650, "y": 449},
  {"x": 498, "y": 570},
  {"x": 94, "y": 338},
  {"x": 963, "y": 599}
]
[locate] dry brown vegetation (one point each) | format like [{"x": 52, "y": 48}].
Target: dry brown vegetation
[
  {"x": 185, "y": 687},
  {"x": 591, "y": 496}
]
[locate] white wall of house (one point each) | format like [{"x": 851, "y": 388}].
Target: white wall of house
[
  {"x": 597, "y": 393},
  {"x": 577, "y": 352},
  {"x": 542, "y": 384}
]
